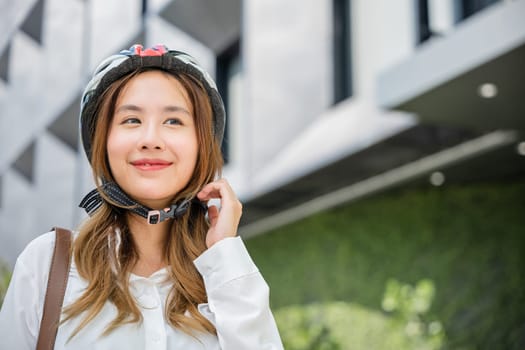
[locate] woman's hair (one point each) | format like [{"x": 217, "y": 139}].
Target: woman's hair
[{"x": 104, "y": 250}]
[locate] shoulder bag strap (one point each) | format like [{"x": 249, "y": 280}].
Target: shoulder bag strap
[{"x": 56, "y": 287}]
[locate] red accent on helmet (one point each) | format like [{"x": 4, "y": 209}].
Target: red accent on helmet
[{"x": 157, "y": 50}]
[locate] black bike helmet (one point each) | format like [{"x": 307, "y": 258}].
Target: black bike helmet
[{"x": 125, "y": 62}]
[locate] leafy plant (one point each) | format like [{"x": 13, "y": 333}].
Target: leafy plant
[
  {"x": 409, "y": 304},
  {"x": 307, "y": 328},
  {"x": 340, "y": 326},
  {"x": 5, "y": 277}
]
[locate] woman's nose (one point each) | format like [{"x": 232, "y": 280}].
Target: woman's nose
[{"x": 151, "y": 137}]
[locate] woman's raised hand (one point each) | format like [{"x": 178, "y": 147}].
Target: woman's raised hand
[{"x": 224, "y": 221}]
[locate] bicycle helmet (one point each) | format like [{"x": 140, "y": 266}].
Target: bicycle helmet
[
  {"x": 116, "y": 67},
  {"x": 125, "y": 62}
]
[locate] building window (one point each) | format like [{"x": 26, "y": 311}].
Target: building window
[
  {"x": 468, "y": 7},
  {"x": 229, "y": 74},
  {"x": 437, "y": 17},
  {"x": 424, "y": 31},
  {"x": 342, "y": 50}
]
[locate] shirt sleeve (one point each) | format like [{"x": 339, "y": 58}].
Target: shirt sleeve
[
  {"x": 238, "y": 298},
  {"x": 22, "y": 307}
]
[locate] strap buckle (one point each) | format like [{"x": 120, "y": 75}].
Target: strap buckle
[
  {"x": 156, "y": 216},
  {"x": 176, "y": 210}
]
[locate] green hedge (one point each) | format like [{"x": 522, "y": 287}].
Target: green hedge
[{"x": 469, "y": 241}]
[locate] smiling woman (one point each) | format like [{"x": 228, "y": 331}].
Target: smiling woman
[
  {"x": 153, "y": 266},
  {"x": 152, "y": 143}
]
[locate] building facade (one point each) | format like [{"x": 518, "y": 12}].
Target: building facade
[{"x": 327, "y": 101}]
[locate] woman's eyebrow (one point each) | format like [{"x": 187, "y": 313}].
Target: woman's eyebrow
[
  {"x": 135, "y": 108},
  {"x": 176, "y": 109},
  {"x": 128, "y": 108}
]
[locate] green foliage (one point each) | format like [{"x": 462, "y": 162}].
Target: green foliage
[
  {"x": 342, "y": 325},
  {"x": 337, "y": 325},
  {"x": 305, "y": 328},
  {"x": 468, "y": 240},
  {"x": 409, "y": 301},
  {"x": 5, "y": 277},
  {"x": 409, "y": 304}
]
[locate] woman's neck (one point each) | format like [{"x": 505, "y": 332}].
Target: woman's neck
[{"x": 150, "y": 241}]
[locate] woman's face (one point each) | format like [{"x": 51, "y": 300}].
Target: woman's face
[{"x": 152, "y": 143}]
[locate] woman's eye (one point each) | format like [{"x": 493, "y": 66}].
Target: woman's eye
[
  {"x": 173, "y": 121},
  {"x": 131, "y": 120}
]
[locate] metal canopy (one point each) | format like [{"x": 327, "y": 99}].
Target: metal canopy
[{"x": 441, "y": 82}]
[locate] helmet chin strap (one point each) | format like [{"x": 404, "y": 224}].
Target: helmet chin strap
[{"x": 93, "y": 200}]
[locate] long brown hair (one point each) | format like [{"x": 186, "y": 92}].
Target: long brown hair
[{"x": 104, "y": 250}]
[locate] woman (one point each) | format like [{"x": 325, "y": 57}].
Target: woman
[{"x": 152, "y": 267}]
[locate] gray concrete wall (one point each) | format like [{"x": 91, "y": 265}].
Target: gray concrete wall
[
  {"x": 37, "y": 168},
  {"x": 287, "y": 62}
]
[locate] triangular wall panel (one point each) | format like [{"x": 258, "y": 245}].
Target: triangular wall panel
[
  {"x": 4, "y": 63},
  {"x": 65, "y": 126},
  {"x": 24, "y": 164},
  {"x": 33, "y": 23}
]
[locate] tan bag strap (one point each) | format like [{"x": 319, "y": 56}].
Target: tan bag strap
[{"x": 56, "y": 287}]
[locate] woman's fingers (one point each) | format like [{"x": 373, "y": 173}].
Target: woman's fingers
[
  {"x": 213, "y": 214},
  {"x": 224, "y": 221},
  {"x": 221, "y": 190},
  {"x": 217, "y": 189}
]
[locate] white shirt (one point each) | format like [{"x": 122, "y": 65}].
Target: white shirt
[{"x": 238, "y": 305}]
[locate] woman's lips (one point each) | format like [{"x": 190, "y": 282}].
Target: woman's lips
[{"x": 150, "y": 164}]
